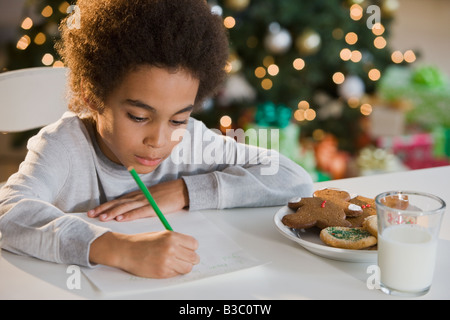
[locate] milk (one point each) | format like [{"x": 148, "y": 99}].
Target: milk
[{"x": 406, "y": 257}]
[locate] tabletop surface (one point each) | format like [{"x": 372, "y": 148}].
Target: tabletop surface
[{"x": 290, "y": 271}]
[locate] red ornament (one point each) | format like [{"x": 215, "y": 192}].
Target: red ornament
[{"x": 323, "y": 204}]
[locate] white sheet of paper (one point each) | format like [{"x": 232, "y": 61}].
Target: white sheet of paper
[{"x": 218, "y": 253}]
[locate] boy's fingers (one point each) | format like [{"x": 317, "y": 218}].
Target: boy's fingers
[
  {"x": 189, "y": 256},
  {"x": 137, "y": 213},
  {"x": 118, "y": 210},
  {"x": 189, "y": 242},
  {"x": 110, "y": 205},
  {"x": 186, "y": 257},
  {"x": 93, "y": 213},
  {"x": 122, "y": 211}
]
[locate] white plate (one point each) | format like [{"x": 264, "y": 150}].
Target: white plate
[{"x": 310, "y": 240}]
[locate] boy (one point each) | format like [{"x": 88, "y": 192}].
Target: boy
[{"x": 137, "y": 71}]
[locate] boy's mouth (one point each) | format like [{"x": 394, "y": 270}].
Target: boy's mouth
[{"x": 149, "y": 162}]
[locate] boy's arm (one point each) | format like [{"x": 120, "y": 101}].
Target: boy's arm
[
  {"x": 248, "y": 177},
  {"x": 30, "y": 222}
]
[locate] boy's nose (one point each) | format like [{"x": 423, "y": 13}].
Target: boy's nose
[{"x": 156, "y": 138}]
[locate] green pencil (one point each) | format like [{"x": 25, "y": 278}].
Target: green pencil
[{"x": 149, "y": 197}]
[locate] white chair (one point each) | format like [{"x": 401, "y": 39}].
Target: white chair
[{"x": 31, "y": 98}]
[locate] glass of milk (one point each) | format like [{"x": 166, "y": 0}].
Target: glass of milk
[{"x": 408, "y": 229}]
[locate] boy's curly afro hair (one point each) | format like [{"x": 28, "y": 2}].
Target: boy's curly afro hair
[{"x": 117, "y": 36}]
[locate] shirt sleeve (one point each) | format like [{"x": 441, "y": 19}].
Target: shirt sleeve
[
  {"x": 30, "y": 222},
  {"x": 244, "y": 176}
]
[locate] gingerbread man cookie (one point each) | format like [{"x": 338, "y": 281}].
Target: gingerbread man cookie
[
  {"x": 317, "y": 212},
  {"x": 294, "y": 203},
  {"x": 341, "y": 198},
  {"x": 368, "y": 207}
]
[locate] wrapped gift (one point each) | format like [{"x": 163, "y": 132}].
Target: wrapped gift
[
  {"x": 416, "y": 151},
  {"x": 330, "y": 159},
  {"x": 273, "y": 129},
  {"x": 285, "y": 140},
  {"x": 373, "y": 160},
  {"x": 426, "y": 88}
]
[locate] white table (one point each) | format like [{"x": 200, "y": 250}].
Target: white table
[{"x": 292, "y": 272}]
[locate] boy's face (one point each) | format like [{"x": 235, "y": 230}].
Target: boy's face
[{"x": 140, "y": 115}]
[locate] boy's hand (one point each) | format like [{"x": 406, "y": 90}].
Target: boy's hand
[
  {"x": 171, "y": 196},
  {"x": 162, "y": 254}
]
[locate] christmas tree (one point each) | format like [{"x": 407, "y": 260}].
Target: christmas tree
[{"x": 317, "y": 58}]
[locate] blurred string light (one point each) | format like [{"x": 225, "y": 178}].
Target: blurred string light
[
  {"x": 356, "y": 12},
  {"x": 273, "y": 69},
  {"x": 47, "y": 59},
  {"x": 346, "y": 54},
  {"x": 356, "y": 56},
  {"x": 338, "y": 78},
  {"x": 27, "y": 23},
  {"x": 351, "y": 38},
  {"x": 304, "y": 112},
  {"x": 378, "y": 29},
  {"x": 225, "y": 122},
  {"x": 337, "y": 33},
  {"x": 47, "y": 11},
  {"x": 229, "y": 22},
  {"x": 63, "y": 7},
  {"x": 409, "y": 56},
  {"x": 267, "y": 84},
  {"x": 374, "y": 74},
  {"x": 298, "y": 64},
  {"x": 40, "y": 38},
  {"x": 397, "y": 57},
  {"x": 260, "y": 72},
  {"x": 379, "y": 42},
  {"x": 23, "y": 42},
  {"x": 58, "y": 64},
  {"x": 366, "y": 109}
]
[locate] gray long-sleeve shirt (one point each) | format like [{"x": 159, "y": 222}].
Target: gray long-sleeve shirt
[{"x": 65, "y": 172}]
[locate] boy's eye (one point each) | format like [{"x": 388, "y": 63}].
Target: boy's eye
[
  {"x": 179, "y": 123},
  {"x": 136, "y": 119}
]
